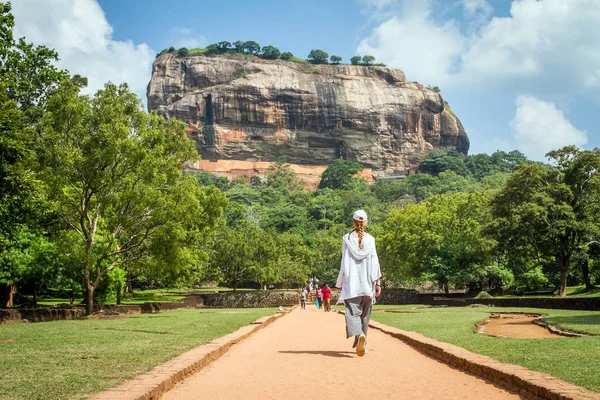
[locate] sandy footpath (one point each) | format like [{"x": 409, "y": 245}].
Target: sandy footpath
[{"x": 305, "y": 355}]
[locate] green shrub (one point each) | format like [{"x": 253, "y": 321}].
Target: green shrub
[
  {"x": 286, "y": 55},
  {"x": 182, "y": 52},
  {"x": 484, "y": 295},
  {"x": 111, "y": 287},
  {"x": 318, "y": 56}
]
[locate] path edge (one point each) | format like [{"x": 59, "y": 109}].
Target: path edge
[
  {"x": 162, "y": 378},
  {"x": 525, "y": 382}
]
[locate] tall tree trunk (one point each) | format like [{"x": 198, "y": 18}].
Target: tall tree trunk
[
  {"x": 119, "y": 296},
  {"x": 564, "y": 272},
  {"x": 89, "y": 299},
  {"x": 585, "y": 270},
  {"x": 11, "y": 291}
]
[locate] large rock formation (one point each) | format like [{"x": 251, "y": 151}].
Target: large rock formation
[{"x": 249, "y": 109}]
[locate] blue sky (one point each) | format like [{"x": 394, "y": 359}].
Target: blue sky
[{"x": 520, "y": 74}]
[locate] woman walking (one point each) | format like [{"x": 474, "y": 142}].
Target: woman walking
[
  {"x": 359, "y": 280},
  {"x": 319, "y": 295}
]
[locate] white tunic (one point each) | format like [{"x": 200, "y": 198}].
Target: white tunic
[{"x": 359, "y": 269}]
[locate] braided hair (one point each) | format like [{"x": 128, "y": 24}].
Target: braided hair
[{"x": 360, "y": 230}]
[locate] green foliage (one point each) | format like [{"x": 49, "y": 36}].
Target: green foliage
[
  {"x": 546, "y": 216},
  {"x": 318, "y": 56},
  {"x": 335, "y": 59},
  {"x": 441, "y": 240},
  {"x": 182, "y": 52},
  {"x": 103, "y": 159},
  {"x": 341, "y": 174},
  {"x": 27, "y": 72},
  {"x": 251, "y": 47},
  {"x": 368, "y": 60},
  {"x": 434, "y": 88},
  {"x": 355, "y": 60},
  {"x": 270, "y": 52},
  {"x": 286, "y": 55},
  {"x": 224, "y": 46},
  {"x": 484, "y": 295}
]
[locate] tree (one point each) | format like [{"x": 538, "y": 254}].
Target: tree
[
  {"x": 545, "y": 214},
  {"x": 441, "y": 240},
  {"x": 224, "y": 46},
  {"x": 27, "y": 72},
  {"x": 27, "y": 75},
  {"x": 434, "y": 88},
  {"x": 212, "y": 49},
  {"x": 242, "y": 254},
  {"x": 368, "y": 60},
  {"x": 270, "y": 52},
  {"x": 335, "y": 59},
  {"x": 114, "y": 175},
  {"x": 286, "y": 55},
  {"x": 171, "y": 49},
  {"x": 281, "y": 176},
  {"x": 251, "y": 47},
  {"x": 444, "y": 160},
  {"x": 340, "y": 174},
  {"x": 318, "y": 56},
  {"x": 238, "y": 45},
  {"x": 355, "y": 60},
  {"x": 182, "y": 52}
]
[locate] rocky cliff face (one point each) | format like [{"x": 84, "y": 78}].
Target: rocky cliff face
[{"x": 249, "y": 109}]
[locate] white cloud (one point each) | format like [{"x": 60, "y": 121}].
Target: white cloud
[
  {"x": 473, "y": 7},
  {"x": 79, "y": 32},
  {"x": 426, "y": 51},
  {"x": 549, "y": 46},
  {"x": 539, "y": 127},
  {"x": 477, "y": 12}
]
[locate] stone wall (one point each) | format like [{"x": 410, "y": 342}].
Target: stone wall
[
  {"x": 399, "y": 296},
  {"x": 66, "y": 312},
  {"x": 251, "y": 299},
  {"x": 261, "y": 298}
]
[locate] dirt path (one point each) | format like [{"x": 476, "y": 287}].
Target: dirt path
[
  {"x": 518, "y": 327},
  {"x": 305, "y": 354}
]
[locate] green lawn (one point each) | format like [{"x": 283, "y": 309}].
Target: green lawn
[
  {"x": 573, "y": 360},
  {"x": 69, "y": 359}
]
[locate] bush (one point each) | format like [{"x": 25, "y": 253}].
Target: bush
[
  {"x": 318, "y": 56},
  {"x": 182, "y": 52},
  {"x": 368, "y": 60},
  {"x": 484, "y": 295},
  {"x": 111, "y": 287},
  {"x": 286, "y": 55},
  {"x": 335, "y": 59},
  {"x": 355, "y": 60},
  {"x": 270, "y": 52}
]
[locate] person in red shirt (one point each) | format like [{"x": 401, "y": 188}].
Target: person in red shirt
[{"x": 326, "y": 298}]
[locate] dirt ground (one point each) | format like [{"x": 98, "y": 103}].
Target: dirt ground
[
  {"x": 517, "y": 326},
  {"x": 306, "y": 354}
]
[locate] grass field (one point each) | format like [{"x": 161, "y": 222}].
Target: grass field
[
  {"x": 69, "y": 359},
  {"x": 573, "y": 360}
]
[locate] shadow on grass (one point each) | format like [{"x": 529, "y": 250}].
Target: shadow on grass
[
  {"x": 572, "y": 322},
  {"x": 338, "y": 354}
]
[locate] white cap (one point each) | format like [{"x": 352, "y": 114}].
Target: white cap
[{"x": 360, "y": 215}]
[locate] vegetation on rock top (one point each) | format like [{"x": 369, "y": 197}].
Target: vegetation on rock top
[{"x": 252, "y": 48}]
